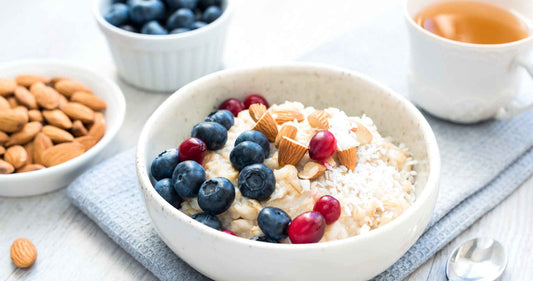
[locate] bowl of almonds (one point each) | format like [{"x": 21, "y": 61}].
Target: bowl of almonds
[{"x": 55, "y": 118}]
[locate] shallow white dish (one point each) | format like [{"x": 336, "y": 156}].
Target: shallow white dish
[
  {"x": 49, "y": 179},
  {"x": 225, "y": 257}
]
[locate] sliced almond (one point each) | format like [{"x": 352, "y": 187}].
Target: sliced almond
[
  {"x": 69, "y": 87},
  {"x": 257, "y": 110},
  {"x": 29, "y": 150},
  {"x": 312, "y": 170},
  {"x": 13, "y": 103},
  {"x": 46, "y": 97},
  {"x": 56, "y": 134},
  {"x": 26, "y": 134},
  {"x": 4, "y": 104},
  {"x": 77, "y": 111},
  {"x": 78, "y": 130},
  {"x": 290, "y": 152},
  {"x": 91, "y": 101},
  {"x": 99, "y": 126},
  {"x": 3, "y": 137},
  {"x": 6, "y": 167},
  {"x": 30, "y": 168},
  {"x": 348, "y": 157},
  {"x": 61, "y": 153},
  {"x": 286, "y": 130},
  {"x": 25, "y": 98},
  {"x": 288, "y": 116},
  {"x": 7, "y": 86},
  {"x": 363, "y": 135},
  {"x": 267, "y": 126},
  {"x": 35, "y": 115},
  {"x": 87, "y": 141},
  {"x": 57, "y": 118},
  {"x": 2, "y": 150},
  {"x": 12, "y": 120},
  {"x": 40, "y": 144},
  {"x": 16, "y": 156},
  {"x": 319, "y": 119},
  {"x": 27, "y": 80}
]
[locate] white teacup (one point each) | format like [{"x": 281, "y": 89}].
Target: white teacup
[{"x": 465, "y": 82}]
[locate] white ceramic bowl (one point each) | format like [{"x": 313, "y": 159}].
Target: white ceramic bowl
[
  {"x": 225, "y": 257},
  {"x": 49, "y": 179},
  {"x": 165, "y": 62}
]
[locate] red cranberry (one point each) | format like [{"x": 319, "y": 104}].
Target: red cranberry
[
  {"x": 308, "y": 227},
  {"x": 255, "y": 98},
  {"x": 233, "y": 105},
  {"x": 329, "y": 207},
  {"x": 229, "y": 232},
  {"x": 322, "y": 145},
  {"x": 192, "y": 149}
]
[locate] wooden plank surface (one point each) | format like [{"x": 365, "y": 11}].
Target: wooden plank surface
[{"x": 71, "y": 246}]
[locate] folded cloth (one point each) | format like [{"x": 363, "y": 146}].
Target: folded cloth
[{"x": 481, "y": 164}]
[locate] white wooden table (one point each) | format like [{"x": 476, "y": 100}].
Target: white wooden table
[{"x": 72, "y": 247}]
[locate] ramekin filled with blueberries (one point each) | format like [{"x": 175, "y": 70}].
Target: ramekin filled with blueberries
[{"x": 161, "y": 45}]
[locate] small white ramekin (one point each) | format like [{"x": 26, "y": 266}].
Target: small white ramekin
[{"x": 165, "y": 62}]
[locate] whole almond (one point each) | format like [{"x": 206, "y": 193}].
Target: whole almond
[
  {"x": 29, "y": 150},
  {"x": 286, "y": 130},
  {"x": 99, "y": 126},
  {"x": 13, "y": 103},
  {"x": 46, "y": 96},
  {"x": 267, "y": 126},
  {"x": 35, "y": 115},
  {"x": 319, "y": 119},
  {"x": 288, "y": 116},
  {"x": 87, "y": 141},
  {"x": 4, "y": 104},
  {"x": 91, "y": 101},
  {"x": 16, "y": 156},
  {"x": 25, "y": 98},
  {"x": 61, "y": 153},
  {"x": 27, "y": 80},
  {"x": 69, "y": 87},
  {"x": 54, "y": 80},
  {"x": 2, "y": 150},
  {"x": 26, "y": 134},
  {"x": 56, "y": 134},
  {"x": 256, "y": 110},
  {"x": 7, "y": 86},
  {"x": 312, "y": 170},
  {"x": 23, "y": 253},
  {"x": 30, "y": 168},
  {"x": 12, "y": 120},
  {"x": 290, "y": 152},
  {"x": 6, "y": 167},
  {"x": 62, "y": 100},
  {"x": 40, "y": 144},
  {"x": 78, "y": 130},
  {"x": 77, "y": 111},
  {"x": 348, "y": 157},
  {"x": 57, "y": 118},
  {"x": 3, "y": 137}
]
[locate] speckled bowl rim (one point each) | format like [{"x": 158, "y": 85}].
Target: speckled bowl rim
[{"x": 431, "y": 186}]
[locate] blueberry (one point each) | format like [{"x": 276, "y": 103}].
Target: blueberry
[
  {"x": 211, "y": 14},
  {"x": 153, "y": 28},
  {"x": 203, "y": 4},
  {"x": 274, "y": 222},
  {"x": 257, "y": 137},
  {"x": 164, "y": 164},
  {"x": 213, "y": 134},
  {"x": 198, "y": 24},
  {"x": 246, "y": 153},
  {"x": 178, "y": 4},
  {"x": 264, "y": 239},
  {"x": 187, "y": 178},
  {"x": 118, "y": 14},
  {"x": 166, "y": 190},
  {"x": 180, "y": 18},
  {"x": 143, "y": 11},
  {"x": 180, "y": 30},
  {"x": 257, "y": 181},
  {"x": 222, "y": 117},
  {"x": 129, "y": 28},
  {"x": 216, "y": 195},
  {"x": 209, "y": 220}
]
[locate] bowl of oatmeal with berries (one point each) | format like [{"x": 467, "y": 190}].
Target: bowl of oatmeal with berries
[{"x": 264, "y": 172}]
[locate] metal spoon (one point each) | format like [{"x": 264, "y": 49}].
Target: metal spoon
[{"x": 479, "y": 259}]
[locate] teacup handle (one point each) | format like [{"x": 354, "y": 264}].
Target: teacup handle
[{"x": 514, "y": 107}]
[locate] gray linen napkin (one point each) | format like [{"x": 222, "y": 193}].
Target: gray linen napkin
[{"x": 481, "y": 164}]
